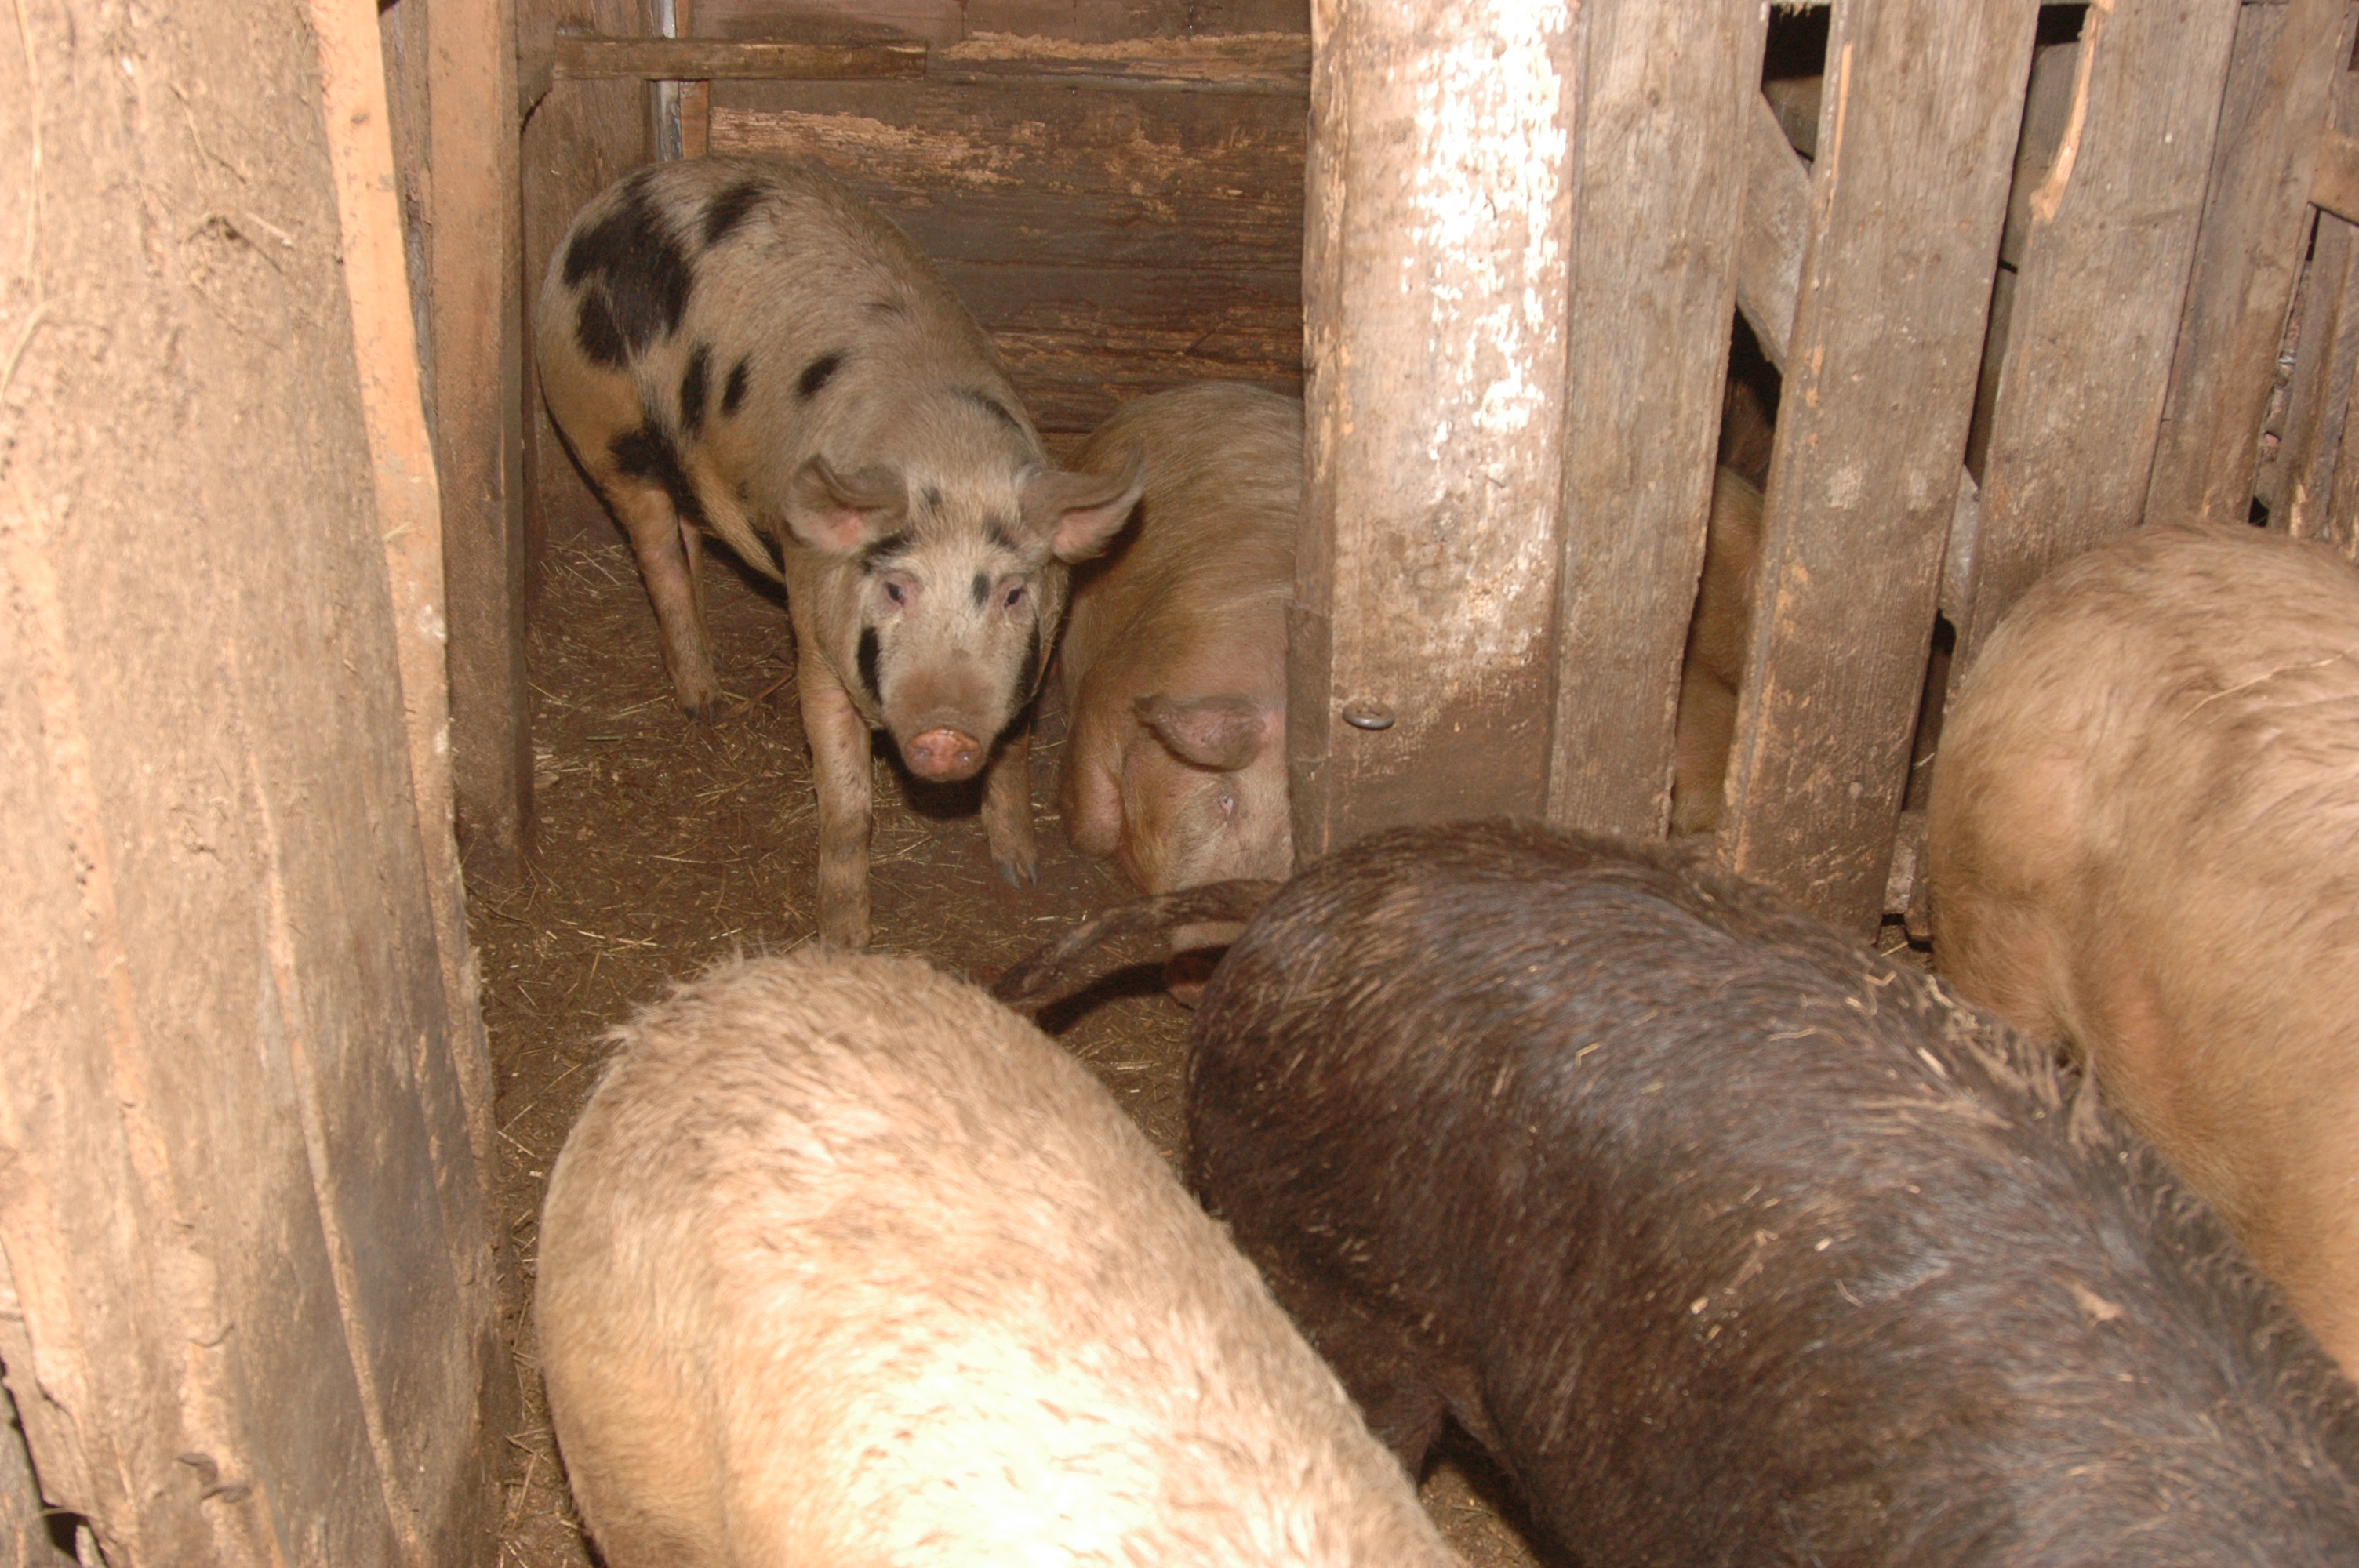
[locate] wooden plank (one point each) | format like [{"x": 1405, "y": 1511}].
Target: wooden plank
[
  {"x": 235, "y": 1160},
  {"x": 2335, "y": 185},
  {"x": 1908, "y": 196},
  {"x": 2318, "y": 404},
  {"x": 2248, "y": 255},
  {"x": 1777, "y": 228},
  {"x": 475, "y": 328},
  {"x": 1437, "y": 268},
  {"x": 1272, "y": 63},
  {"x": 2108, "y": 241},
  {"x": 586, "y": 135},
  {"x": 578, "y": 59},
  {"x": 1668, "y": 94}
]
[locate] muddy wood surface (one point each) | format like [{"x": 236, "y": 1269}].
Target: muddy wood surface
[{"x": 665, "y": 844}]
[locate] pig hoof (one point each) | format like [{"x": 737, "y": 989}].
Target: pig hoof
[{"x": 1017, "y": 873}]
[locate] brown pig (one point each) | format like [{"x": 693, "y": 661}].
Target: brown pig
[
  {"x": 844, "y": 1263},
  {"x": 2145, "y": 841},
  {"x": 1173, "y": 663},
  {"x": 1714, "y": 666},
  {"x": 751, "y": 349}
]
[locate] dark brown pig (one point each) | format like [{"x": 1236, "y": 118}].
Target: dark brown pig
[
  {"x": 1734, "y": 1242},
  {"x": 751, "y": 349},
  {"x": 2145, "y": 840},
  {"x": 1173, "y": 662},
  {"x": 846, "y": 1264}
]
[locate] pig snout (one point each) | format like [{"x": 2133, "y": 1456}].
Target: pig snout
[{"x": 943, "y": 755}]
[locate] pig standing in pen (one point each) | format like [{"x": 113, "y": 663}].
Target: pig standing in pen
[
  {"x": 751, "y": 349},
  {"x": 2145, "y": 840},
  {"x": 844, "y": 1263},
  {"x": 1733, "y": 1242}
]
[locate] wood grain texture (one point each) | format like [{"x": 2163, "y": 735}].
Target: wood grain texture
[
  {"x": 239, "y": 1178},
  {"x": 474, "y": 330},
  {"x": 2108, "y": 240},
  {"x": 1437, "y": 269},
  {"x": 2299, "y": 487},
  {"x": 573, "y": 58},
  {"x": 1777, "y": 216},
  {"x": 1908, "y": 196},
  {"x": 2248, "y": 255},
  {"x": 1667, "y": 98}
]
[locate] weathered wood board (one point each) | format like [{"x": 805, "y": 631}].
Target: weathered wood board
[
  {"x": 1668, "y": 91},
  {"x": 2107, "y": 244},
  {"x": 243, "y": 1215},
  {"x": 1437, "y": 269},
  {"x": 1907, "y": 200},
  {"x": 2248, "y": 254}
]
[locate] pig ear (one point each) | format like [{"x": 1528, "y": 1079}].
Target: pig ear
[
  {"x": 839, "y": 513},
  {"x": 1223, "y": 732},
  {"x": 1081, "y": 513}
]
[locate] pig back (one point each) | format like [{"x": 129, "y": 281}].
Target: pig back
[
  {"x": 2145, "y": 840},
  {"x": 845, "y": 1263},
  {"x": 1734, "y": 1243}
]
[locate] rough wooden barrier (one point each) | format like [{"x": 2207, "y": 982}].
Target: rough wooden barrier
[
  {"x": 1437, "y": 257},
  {"x": 1667, "y": 98},
  {"x": 1908, "y": 197},
  {"x": 2108, "y": 246},
  {"x": 2248, "y": 254}
]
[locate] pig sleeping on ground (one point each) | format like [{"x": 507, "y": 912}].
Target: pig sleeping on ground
[
  {"x": 2145, "y": 840},
  {"x": 1173, "y": 663},
  {"x": 751, "y": 349},
  {"x": 1733, "y": 1242},
  {"x": 846, "y": 1264}
]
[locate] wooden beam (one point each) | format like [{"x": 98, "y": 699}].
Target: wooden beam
[
  {"x": 2248, "y": 255},
  {"x": 1668, "y": 97},
  {"x": 1907, "y": 200},
  {"x": 2109, "y": 236},
  {"x": 715, "y": 60},
  {"x": 1437, "y": 269},
  {"x": 1777, "y": 228},
  {"x": 2335, "y": 185}
]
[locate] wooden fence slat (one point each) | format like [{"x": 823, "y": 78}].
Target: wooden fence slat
[
  {"x": 2248, "y": 258},
  {"x": 2108, "y": 240},
  {"x": 1907, "y": 200},
  {"x": 1437, "y": 265},
  {"x": 1777, "y": 228},
  {"x": 2300, "y": 485},
  {"x": 575, "y": 58},
  {"x": 1666, "y": 93}
]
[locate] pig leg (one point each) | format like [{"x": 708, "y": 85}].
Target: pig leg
[
  {"x": 839, "y": 740},
  {"x": 1007, "y": 808},
  {"x": 669, "y": 553}
]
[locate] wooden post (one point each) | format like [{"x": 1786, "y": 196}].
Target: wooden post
[
  {"x": 475, "y": 230},
  {"x": 2248, "y": 254},
  {"x": 2108, "y": 243},
  {"x": 1437, "y": 266},
  {"x": 1908, "y": 196},
  {"x": 1669, "y": 89}
]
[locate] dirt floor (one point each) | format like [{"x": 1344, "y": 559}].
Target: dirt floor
[{"x": 664, "y": 844}]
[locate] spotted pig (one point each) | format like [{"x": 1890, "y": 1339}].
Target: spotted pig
[{"x": 749, "y": 349}]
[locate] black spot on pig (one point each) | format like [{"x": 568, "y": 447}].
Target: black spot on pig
[
  {"x": 631, "y": 256},
  {"x": 998, "y": 530},
  {"x": 887, "y": 308},
  {"x": 871, "y": 649},
  {"x": 600, "y": 341},
  {"x": 934, "y": 498},
  {"x": 883, "y": 552},
  {"x": 729, "y": 209},
  {"x": 649, "y": 453},
  {"x": 693, "y": 384},
  {"x": 816, "y": 375},
  {"x": 734, "y": 394},
  {"x": 982, "y": 590},
  {"x": 996, "y": 408}
]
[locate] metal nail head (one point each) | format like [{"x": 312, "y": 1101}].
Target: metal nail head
[{"x": 1361, "y": 714}]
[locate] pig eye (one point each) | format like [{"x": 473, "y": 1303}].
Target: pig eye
[
  {"x": 1015, "y": 597},
  {"x": 893, "y": 590},
  {"x": 1228, "y": 802}
]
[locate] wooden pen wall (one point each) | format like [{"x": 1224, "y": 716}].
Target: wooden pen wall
[{"x": 2024, "y": 274}]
